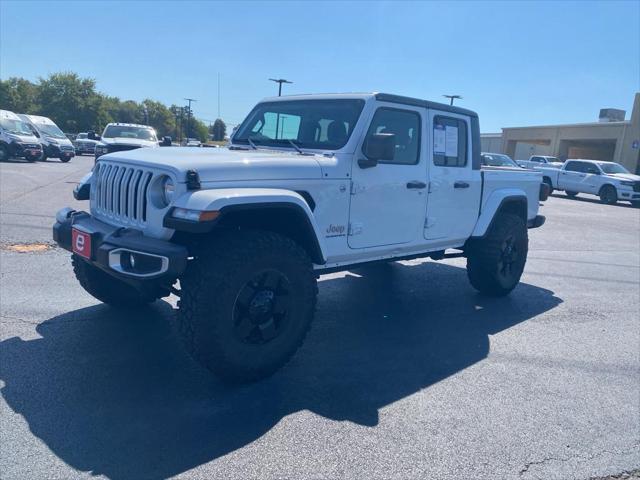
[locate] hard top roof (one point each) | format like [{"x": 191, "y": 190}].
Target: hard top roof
[{"x": 382, "y": 97}]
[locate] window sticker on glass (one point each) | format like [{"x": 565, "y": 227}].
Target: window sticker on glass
[
  {"x": 451, "y": 142},
  {"x": 439, "y": 139}
]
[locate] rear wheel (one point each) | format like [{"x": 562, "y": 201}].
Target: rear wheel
[
  {"x": 571, "y": 194},
  {"x": 108, "y": 289},
  {"x": 247, "y": 303},
  {"x": 547, "y": 181},
  {"x": 496, "y": 262},
  {"x": 608, "y": 195}
]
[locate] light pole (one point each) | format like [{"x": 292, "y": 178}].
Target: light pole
[
  {"x": 189, "y": 115},
  {"x": 451, "y": 97},
  {"x": 279, "y": 81}
]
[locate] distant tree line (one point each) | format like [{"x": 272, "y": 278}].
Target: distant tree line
[{"x": 76, "y": 106}]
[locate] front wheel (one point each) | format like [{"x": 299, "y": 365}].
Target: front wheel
[
  {"x": 247, "y": 303},
  {"x": 496, "y": 262},
  {"x": 65, "y": 159},
  {"x": 608, "y": 195},
  {"x": 571, "y": 194},
  {"x": 4, "y": 153}
]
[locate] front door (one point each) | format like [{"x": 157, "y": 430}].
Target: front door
[
  {"x": 572, "y": 177},
  {"x": 454, "y": 185},
  {"x": 388, "y": 200}
]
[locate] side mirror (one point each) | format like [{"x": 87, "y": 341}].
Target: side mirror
[
  {"x": 166, "y": 142},
  {"x": 91, "y": 135},
  {"x": 378, "y": 147}
]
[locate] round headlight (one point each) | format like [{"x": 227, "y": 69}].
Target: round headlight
[{"x": 168, "y": 190}]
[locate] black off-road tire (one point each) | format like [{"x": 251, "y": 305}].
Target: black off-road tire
[
  {"x": 217, "y": 313},
  {"x": 571, "y": 194},
  {"x": 65, "y": 159},
  {"x": 608, "y": 195},
  {"x": 548, "y": 182},
  {"x": 496, "y": 262},
  {"x": 108, "y": 289}
]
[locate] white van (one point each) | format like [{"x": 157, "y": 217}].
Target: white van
[
  {"x": 54, "y": 143},
  {"x": 17, "y": 139}
]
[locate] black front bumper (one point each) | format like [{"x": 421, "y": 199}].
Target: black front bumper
[
  {"x": 157, "y": 261},
  {"x": 54, "y": 151}
]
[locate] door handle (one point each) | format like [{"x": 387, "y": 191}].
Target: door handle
[
  {"x": 461, "y": 185},
  {"x": 416, "y": 184}
]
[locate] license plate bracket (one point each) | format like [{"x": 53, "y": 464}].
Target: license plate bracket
[{"x": 81, "y": 243}]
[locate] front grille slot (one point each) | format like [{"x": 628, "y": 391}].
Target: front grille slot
[{"x": 121, "y": 192}]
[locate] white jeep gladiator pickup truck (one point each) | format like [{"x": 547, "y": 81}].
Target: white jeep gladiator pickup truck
[
  {"x": 610, "y": 181},
  {"x": 536, "y": 161},
  {"x": 309, "y": 184}
]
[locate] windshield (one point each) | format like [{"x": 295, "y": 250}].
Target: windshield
[
  {"x": 123, "y": 131},
  {"x": 498, "y": 160},
  {"x": 321, "y": 124},
  {"x": 17, "y": 127},
  {"x": 81, "y": 136},
  {"x": 613, "y": 168},
  {"x": 552, "y": 160},
  {"x": 50, "y": 130}
]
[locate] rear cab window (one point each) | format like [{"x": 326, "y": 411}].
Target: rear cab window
[{"x": 450, "y": 141}]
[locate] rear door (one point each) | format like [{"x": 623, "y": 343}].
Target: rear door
[
  {"x": 388, "y": 201},
  {"x": 454, "y": 185}
]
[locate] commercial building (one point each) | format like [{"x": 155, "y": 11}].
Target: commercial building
[{"x": 612, "y": 138}]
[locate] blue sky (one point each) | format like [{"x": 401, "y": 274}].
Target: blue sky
[{"x": 515, "y": 63}]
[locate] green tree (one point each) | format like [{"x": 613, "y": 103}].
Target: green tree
[
  {"x": 160, "y": 117},
  {"x": 199, "y": 130},
  {"x": 69, "y": 100},
  {"x": 19, "y": 95},
  {"x": 218, "y": 130}
]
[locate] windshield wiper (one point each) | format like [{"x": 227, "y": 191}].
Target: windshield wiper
[
  {"x": 294, "y": 145},
  {"x": 253, "y": 145}
]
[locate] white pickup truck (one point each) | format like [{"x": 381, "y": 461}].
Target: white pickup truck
[
  {"x": 610, "y": 181},
  {"x": 536, "y": 161},
  {"x": 310, "y": 184}
]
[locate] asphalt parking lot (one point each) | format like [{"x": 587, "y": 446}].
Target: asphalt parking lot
[{"x": 407, "y": 372}]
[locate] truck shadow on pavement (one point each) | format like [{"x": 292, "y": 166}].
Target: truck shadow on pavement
[{"x": 114, "y": 393}]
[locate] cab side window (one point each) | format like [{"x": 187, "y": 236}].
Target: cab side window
[
  {"x": 575, "y": 167},
  {"x": 449, "y": 142},
  {"x": 591, "y": 169},
  {"x": 405, "y": 125}
]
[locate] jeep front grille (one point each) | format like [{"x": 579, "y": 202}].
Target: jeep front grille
[{"x": 119, "y": 193}]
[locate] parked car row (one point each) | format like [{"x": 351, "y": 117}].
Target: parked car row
[{"x": 32, "y": 137}]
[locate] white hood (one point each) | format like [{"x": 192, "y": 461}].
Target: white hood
[
  {"x": 222, "y": 164},
  {"x": 624, "y": 176},
  {"x": 137, "y": 142}
]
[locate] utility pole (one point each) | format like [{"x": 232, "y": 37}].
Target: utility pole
[
  {"x": 189, "y": 115},
  {"x": 280, "y": 81},
  {"x": 451, "y": 97}
]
